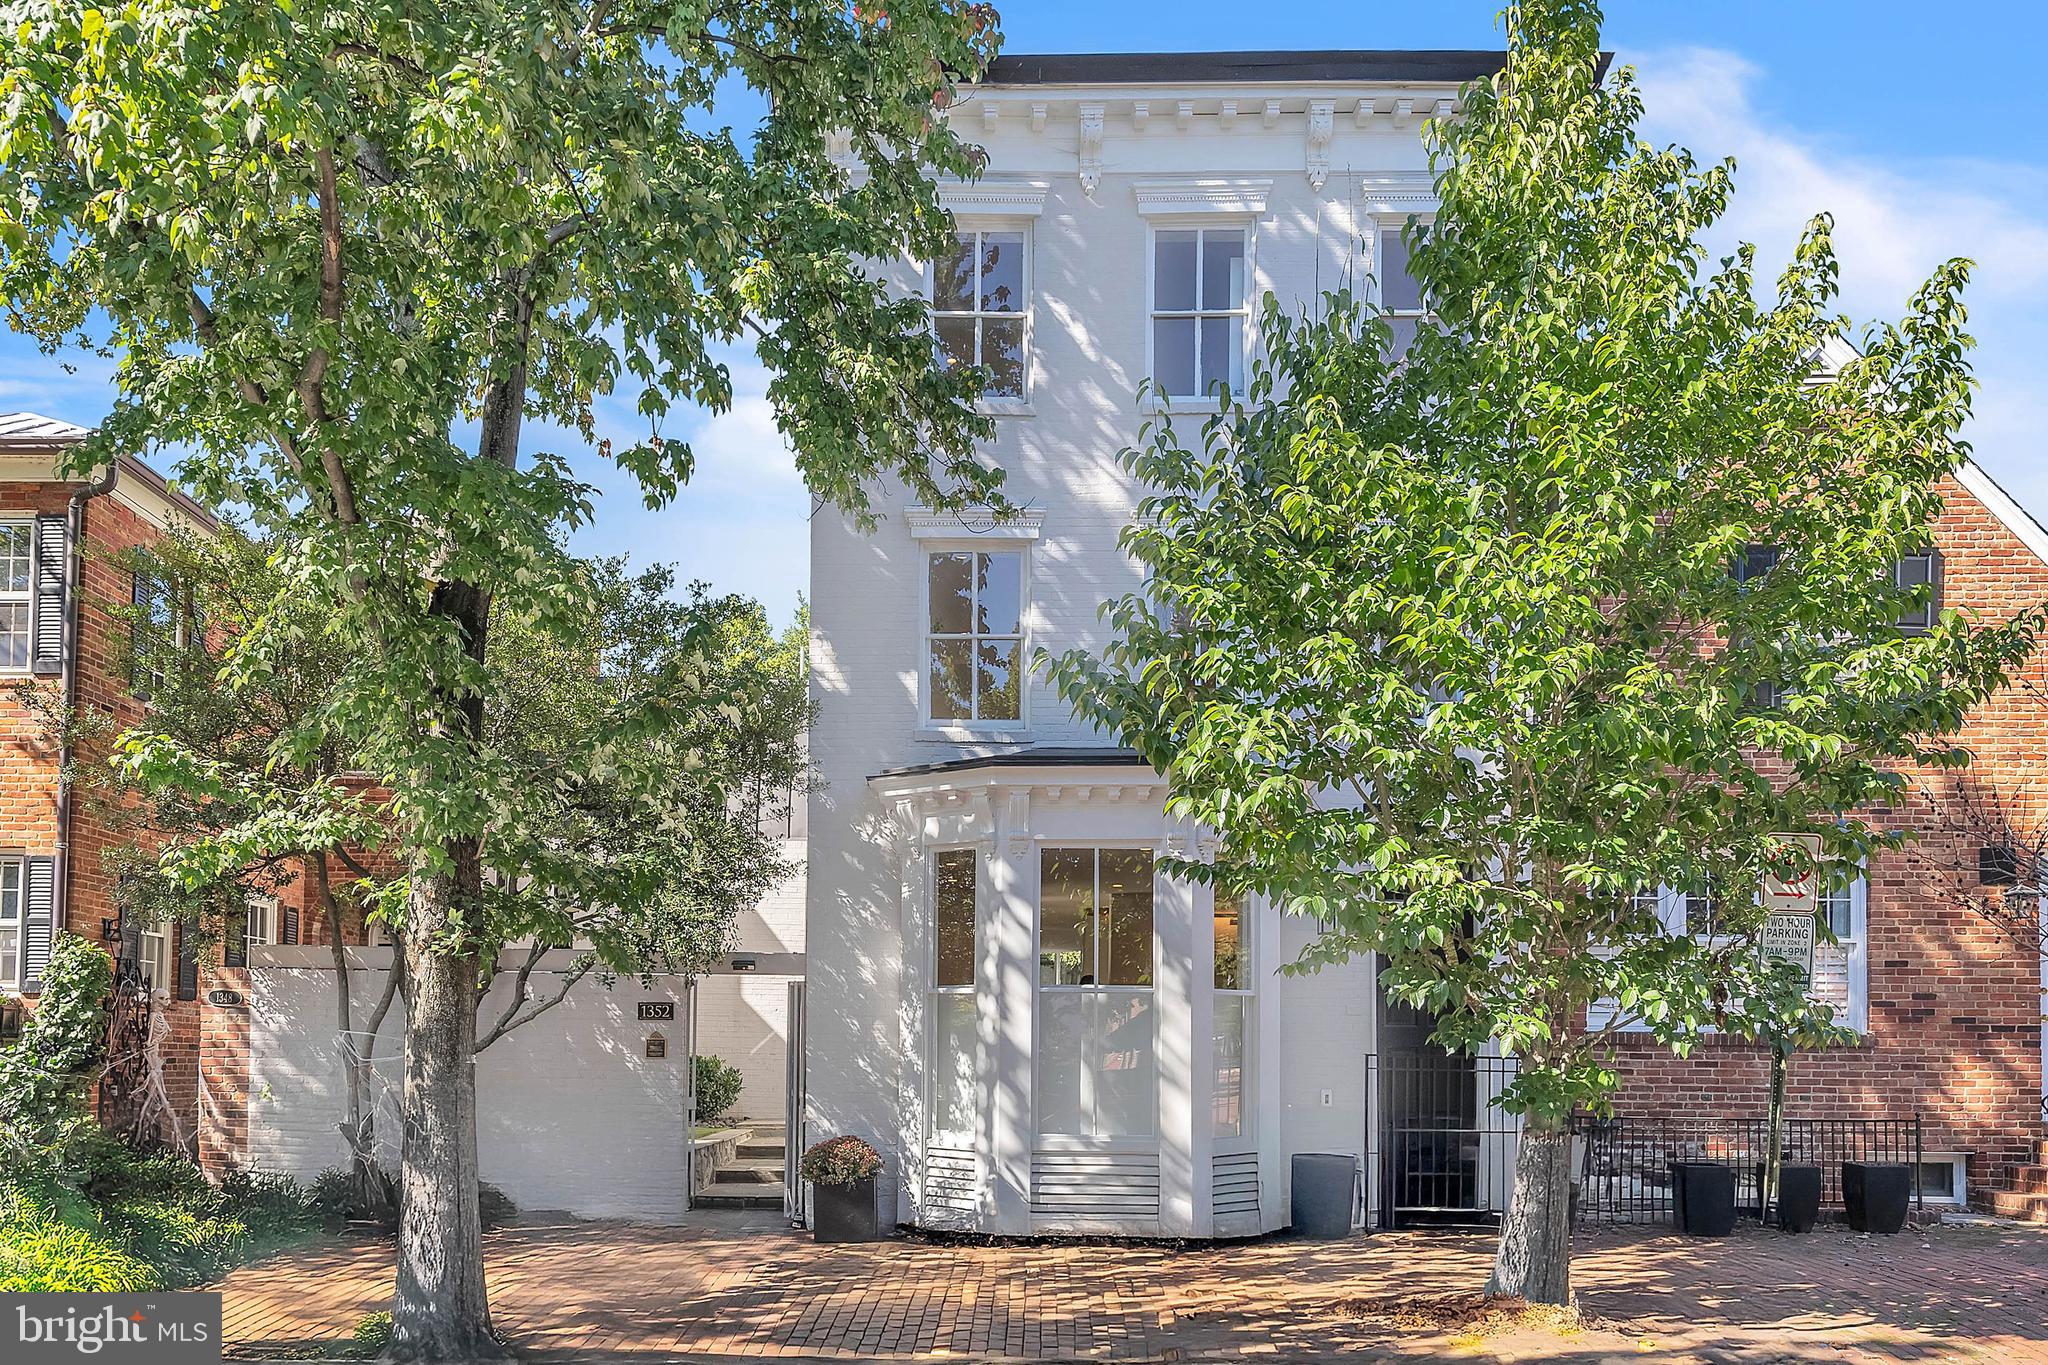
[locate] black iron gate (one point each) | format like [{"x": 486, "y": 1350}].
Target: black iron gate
[{"x": 1440, "y": 1150}]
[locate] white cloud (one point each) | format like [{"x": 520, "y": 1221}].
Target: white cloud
[{"x": 1894, "y": 223}]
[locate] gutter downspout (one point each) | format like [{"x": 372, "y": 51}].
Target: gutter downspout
[{"x": 74, "y": 589}]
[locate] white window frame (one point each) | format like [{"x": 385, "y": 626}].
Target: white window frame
[
  {"x": 25, "y": 598},
  {"x": 1244, "y": 224},
  {"x": 1384, "y": 223},
  {"x": 14, "y": 926},
  {"x": 153, "y": 960},
  {"x": 263, "y": 910},
  {"x": 1089, "y": 1141},
  {"x": 173, "y": 599},
  {"x": 1959, "y": 1194},
  {"x": 935, "y": 992},
  {"x": 974, "y": 725},
  {"x": 995, "y": 405},
  {"x": 1246, "y": 1136}
]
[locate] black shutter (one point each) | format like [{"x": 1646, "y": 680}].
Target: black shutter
[
  {"x": 52, "y": 558},
  {"x": 234, "y": 941},
  {"x": 288, "y": 925},
  {"x": 188, "y": 962},
  {"x": 39, "y": 893}
]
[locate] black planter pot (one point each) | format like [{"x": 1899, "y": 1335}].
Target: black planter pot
[
  {"x": 1703, "y": 1198},
  {"x": 1798, "y": 1198},
  {"x": 846, "y": 1213},
  {"x": 1875, "y": 1194}
]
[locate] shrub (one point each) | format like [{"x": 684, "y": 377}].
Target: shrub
[
  {"x": 718, "y": 1088},
  {"x": 38, "y": 1257},
  {"x": 840, "y": 1161},
  {"x": 372, "y": 1335},
  {"x": 494, "y": 1206},
  {"x": 63, "y": 1043}
]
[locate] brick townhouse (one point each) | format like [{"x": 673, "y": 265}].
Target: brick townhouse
[{"x": 61, "y": 538}]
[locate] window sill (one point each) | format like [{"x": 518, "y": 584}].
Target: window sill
[
  {"x": 1006, "y": 407},
  {"x": 1181, "y": 407},
  {"x": 970, "y": 734}
]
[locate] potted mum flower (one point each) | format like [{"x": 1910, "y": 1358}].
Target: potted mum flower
[{"x": 842, "y": 1173}]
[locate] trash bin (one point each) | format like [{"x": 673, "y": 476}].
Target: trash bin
[{"x": 1325, "y": 1191}]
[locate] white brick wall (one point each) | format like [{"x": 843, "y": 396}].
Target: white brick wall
[
  {"x": 571, "y": 1114},
  {"x": 1090, "y": 320},
  {"x": 744, "y": 1019}
]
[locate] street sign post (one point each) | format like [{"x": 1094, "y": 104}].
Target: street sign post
[
  {"x": 1793, "y": 888},
  {"x": 1790, "y": 938}
]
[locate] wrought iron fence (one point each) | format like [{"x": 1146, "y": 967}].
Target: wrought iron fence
[
  {"x": 1622, "y": 1165},
  {"x": 1438, "y": 1148}
]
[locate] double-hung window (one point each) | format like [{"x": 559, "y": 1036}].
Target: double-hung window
[
  {"x": 1097, "y": 1057},
  {"x": 951, "y": 999},
  {"x": 155, "y": 965},
  {"x": 1201, "y": 309},
  {"x": 981, "y": 309},
  {"x": 1917, "y": 571},
  {"x": 17, "y": 593},
  {"x": 1231, "y": 1025},
  {"x": 10, "y": 923},
  {"x": 260, "y": 923},
  {"x": 1401, "y": 298},
  {"x": 974, "y": 638}
]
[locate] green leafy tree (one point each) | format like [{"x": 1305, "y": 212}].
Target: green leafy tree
[
  {"x": 1452, "y": 650},
  {"x": 342, "y": 252}
]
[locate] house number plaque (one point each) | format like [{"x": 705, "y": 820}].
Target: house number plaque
[
  {"x": 225, "y": 999},
  {"x": 657, "y": 1009}
]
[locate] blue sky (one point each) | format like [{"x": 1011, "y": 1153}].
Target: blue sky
[{"x": 1920, "y": 128}]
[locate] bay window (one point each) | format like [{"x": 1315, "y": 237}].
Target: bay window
[
  {"x": 950, "y": 1001},
  {"x": 1231, "y": 1021},
  {"x": 1097, "y": 1059}
]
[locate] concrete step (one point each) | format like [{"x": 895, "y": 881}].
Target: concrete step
[
  {"x": 721, "y": 1195},
  {"x": 2041, "y": 1150},
  {"x": 2028, "y": 1208},
  {"x": 2029, "y": 1179},
  {"x": 748, "y": 1173},
  {"x": 761, "y": 1151}
]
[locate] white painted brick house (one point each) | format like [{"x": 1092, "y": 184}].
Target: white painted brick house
[
  {"x": 1035, "y": 1029},
  {"x": 1039, "y": 1033}
]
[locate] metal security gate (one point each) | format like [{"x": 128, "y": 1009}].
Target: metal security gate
[
  {"x": 793, "y": 1132},
  {"x": 1442, "y": 1151},
  {"x": 690, "y": 1095}
]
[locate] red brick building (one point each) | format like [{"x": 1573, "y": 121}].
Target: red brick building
[
  {"x": 61, "y": 542},
  {"x": 1941, "y": 972}
]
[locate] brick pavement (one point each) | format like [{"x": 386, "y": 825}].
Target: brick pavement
[{"x": 740, "y": 1287}]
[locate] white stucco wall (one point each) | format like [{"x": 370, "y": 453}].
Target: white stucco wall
[
  {"x": 571, "y": 1114},
  {"x": 1089, "y": 324}
]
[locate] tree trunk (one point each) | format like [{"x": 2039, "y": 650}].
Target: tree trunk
[
  {"x": 1534, "y": 1261},
  {"x": 441, "y": 1312}
]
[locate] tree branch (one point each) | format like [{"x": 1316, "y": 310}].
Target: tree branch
[{"x": 514, "y": 1017}]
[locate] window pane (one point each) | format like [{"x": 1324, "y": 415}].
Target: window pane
[
  {"x": 955, "y": 344},
  {"x": 953, "y": 1087},
  {"x": 1756, "y": 561},
  {"x": 1230, "y": 947},
  {"x": 1400, "y": 292},
  {"x": 1001, "y": 591},
  {"x": 10, "y": 955},
  {"x": 1226, "y": 1102},
  {"x": 1002, "y": 350},
  {"x": 14, "y": 634},
  {"x": 1126, "y": 946},
  {"x": 1066, "y": 917},
  {"x": 1126, "y": 1068},
  {"x": 1404, "y": 330},
  {"x": 1173, "y": 272},
  {"x": 1837, "y": 911},
  {"x": 952, "y": 686},
  {"x": 1065, "y": 1032},
  {"x": 1173, "y": 355},
  {"x": 953, "y": 277},
  {"x": 953, "y": 918},
  {"x": 1916, "y": 571},
  {"x": 952, "y": 593},
  {"x": 997, "y": 677},
  {"x": 1222, "y": 354},
  {"x": 1222, "y": 269},
  {"x": 15, "y": 569},
  {"x": 1002, "y": 272}
]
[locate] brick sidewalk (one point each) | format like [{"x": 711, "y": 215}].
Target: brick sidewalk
[{"x": 565, "y": 1291}]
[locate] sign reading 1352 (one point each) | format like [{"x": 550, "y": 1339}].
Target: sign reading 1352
[{"x": 657, "y": 1009}]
